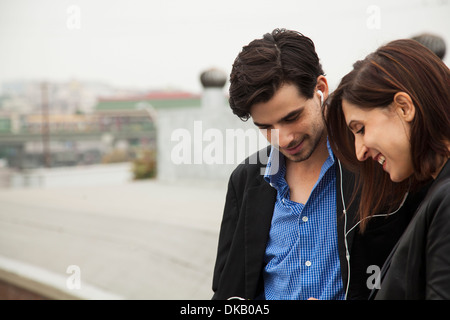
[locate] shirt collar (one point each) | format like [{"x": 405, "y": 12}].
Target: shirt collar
[{"x": 276, "y": 166}]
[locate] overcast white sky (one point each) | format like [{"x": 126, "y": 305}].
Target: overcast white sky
[{"x": 167, "y": 44}]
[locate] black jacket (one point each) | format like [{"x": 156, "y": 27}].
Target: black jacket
[
  {"x": 246, "y": 222},
  {"x": 419, "y": 266}
]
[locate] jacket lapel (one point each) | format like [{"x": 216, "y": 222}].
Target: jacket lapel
[{"x": 259, "y": 211}]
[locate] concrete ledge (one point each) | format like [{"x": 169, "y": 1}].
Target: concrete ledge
[
  {"x": 46, "y": 284},
  {"x": 12, "y": 292}
]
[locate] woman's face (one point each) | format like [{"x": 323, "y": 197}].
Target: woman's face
[{"x": 383, "y": 135}]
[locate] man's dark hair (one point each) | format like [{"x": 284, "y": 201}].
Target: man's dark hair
[{"x": 264, "y": 65}]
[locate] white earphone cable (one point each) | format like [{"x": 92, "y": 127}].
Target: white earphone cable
[{"x": 347, "y": 253}]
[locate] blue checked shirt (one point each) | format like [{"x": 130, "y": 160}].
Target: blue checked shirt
[{"x": 301, "y": 256}]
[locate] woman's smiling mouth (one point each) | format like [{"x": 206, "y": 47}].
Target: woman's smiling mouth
[{"x": 381, "y": 159}]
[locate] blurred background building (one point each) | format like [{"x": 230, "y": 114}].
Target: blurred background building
[{"x": 54, "y": 125}]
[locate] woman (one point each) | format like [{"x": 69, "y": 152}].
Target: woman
[{"x": 389, "y": 120}]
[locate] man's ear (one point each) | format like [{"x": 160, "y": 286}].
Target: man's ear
[
  {"x": 404, "y": 106},
  {"x": 322, "y": 85}
]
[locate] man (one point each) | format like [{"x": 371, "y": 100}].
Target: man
[{"x": 282, "y": 234}]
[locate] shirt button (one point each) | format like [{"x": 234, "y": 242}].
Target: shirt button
[
  {"x": 305, "y": 218},
  {"x": 308, "y": 263}
]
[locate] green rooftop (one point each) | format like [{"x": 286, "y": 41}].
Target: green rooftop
[{"x": 157, "y": 103}]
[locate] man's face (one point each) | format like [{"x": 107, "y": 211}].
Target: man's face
[{"x": 297, "y": 120}]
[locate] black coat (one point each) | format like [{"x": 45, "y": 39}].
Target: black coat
[
  {"x": 419, "y": 266},
  {"x": 246, "y": 222}
]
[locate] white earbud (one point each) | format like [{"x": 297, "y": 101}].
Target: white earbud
[{"x": 321, "y": 97}]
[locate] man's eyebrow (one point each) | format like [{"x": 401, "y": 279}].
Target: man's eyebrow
[
  {"x": 293, "y": 113},
  {"x": 286, "y": 117},
  {"x": 260, "y": 124}
]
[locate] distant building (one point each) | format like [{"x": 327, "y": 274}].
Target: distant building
[
  {"x": 154, "y": 100},
  {"x": 67, "y": 97},
  {"x": 116, "y": 127},
  {"x": 193, "y": 136}
]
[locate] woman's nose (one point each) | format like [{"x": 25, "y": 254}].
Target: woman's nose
[{"x": 362, "y": 152}]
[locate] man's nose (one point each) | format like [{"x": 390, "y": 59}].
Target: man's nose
[{"x": 284, "y": 138}]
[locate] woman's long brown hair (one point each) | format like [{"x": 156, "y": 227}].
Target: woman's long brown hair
[{"x": 399, "y": 66}]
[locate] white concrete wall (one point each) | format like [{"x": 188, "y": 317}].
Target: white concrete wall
[
  {"x": 204, "y": 143},
  {"x": 92, "y": 175}
]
